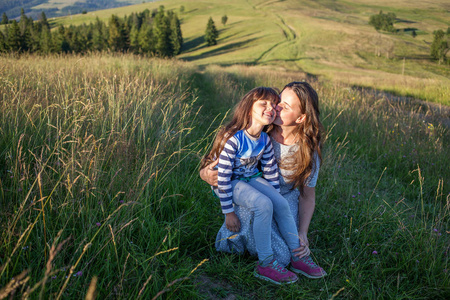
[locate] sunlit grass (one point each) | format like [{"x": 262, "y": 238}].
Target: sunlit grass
[{"x": 99, "y": 183}]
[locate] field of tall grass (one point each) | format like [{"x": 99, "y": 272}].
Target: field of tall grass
[{"x": 100, "y": 193}]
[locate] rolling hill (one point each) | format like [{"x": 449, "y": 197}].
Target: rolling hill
[{"x": 329, "y": 39}]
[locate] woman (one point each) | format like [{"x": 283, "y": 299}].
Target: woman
[{"x": 296, "y": 137}]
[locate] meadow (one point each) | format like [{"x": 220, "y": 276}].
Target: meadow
[
  {"x": 328, "y": 39},
  {"x": 100, "y": 193}
]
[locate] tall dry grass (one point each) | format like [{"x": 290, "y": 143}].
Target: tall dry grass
[{"x": 100, "y": 193}]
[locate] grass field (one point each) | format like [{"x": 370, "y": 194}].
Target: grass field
[
  {"x": 329, "y": 39},
  {"x": 99, "y": 154},
  {"x": 100, "y": 192}
]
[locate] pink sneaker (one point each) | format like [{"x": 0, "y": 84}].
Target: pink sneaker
[
  {"x": 275, "y": 273},
  {"x": 306, "y": 266}
]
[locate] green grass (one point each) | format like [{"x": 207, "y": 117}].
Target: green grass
[
  {"x": 329, "y": 39},
  {"x": 98, "y": 168}
]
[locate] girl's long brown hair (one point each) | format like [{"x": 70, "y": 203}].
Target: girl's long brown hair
[
  {"x": 240, "y": 120},
  {"x": 309, "y": 134}
]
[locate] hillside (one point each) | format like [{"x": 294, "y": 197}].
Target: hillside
[{"x": 329, "y": 39}]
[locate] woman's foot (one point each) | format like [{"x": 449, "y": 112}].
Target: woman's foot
[
  {"x": 306, "y": 266},
  {"x": 275, "y": 273}
]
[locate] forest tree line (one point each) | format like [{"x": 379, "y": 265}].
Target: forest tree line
[{"x": 154, "y": 32}]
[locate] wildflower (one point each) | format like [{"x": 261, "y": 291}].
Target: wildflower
[
  {"x": 98, "y": 224},
  {"x": 359, "y": 193},
  {"x": 417, "y": 261},
  {"x": 54, "y": 277},
  {"x": 435, "y": 230},
  {"x": 121, "y": 201},
  {"x": 353, "y": 196},
  {"x": 79, "y": 273},
  {"x": 374, "y": 252}
]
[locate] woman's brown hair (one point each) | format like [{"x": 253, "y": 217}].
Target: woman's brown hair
[
  {"x": 309, "y": 133},
  {"x": 240, "y": 120}
]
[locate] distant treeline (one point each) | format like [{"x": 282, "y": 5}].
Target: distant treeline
[{"x": 156, "y": 32}]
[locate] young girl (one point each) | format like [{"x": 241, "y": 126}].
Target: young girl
[{"x": 239, "y": 146}]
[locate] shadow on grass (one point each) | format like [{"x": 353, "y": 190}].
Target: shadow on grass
[
  {"x": 190, "y": 45},
  {"x": 404, "y": 21},
  {"x": 221, "y": 50}
]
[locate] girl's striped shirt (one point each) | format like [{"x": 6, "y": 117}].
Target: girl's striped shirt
[{"x": 239, "y": 158}]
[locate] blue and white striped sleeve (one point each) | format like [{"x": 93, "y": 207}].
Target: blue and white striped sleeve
[
  {"x": 225, "y": 171},
  {"x": 269, "y": 165}
]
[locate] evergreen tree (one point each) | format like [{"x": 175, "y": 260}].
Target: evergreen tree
[
  {"x": 162, "y": 43},
  {"x": 14, "y": 37},
  {"x": 45, "y": 44},
  {"x": 118, "y": 35},
  {"x": 72, "y": 37},
  {"x": 35, "y": 35},
  {"x": 60, "y": 43},
  {"x": 224, "y": 20},
  {"x": 99, "y": 39},
  {"x": 5, "y": 19},
  {"x": 3, "y": 47},
  {"x": 176, "y": 37},
  {"x": 137, "y": 22},
  {"x": 115, "y": 40},
  {"x": 134, "y": 39},
  {"x": 43, "y": 20},
  {"x": 23, "y": 21},
  {"x": 439, "y": 46},
  {"x": 145, "y": 38},
  {"x": 211, "y": 33},
  {"x": 414, "y": 33},
  {"x": 26, "y": 38},
  {"x": 57, "y": 40}
]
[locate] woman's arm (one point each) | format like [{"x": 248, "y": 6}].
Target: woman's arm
[
  {"x": 306, "y": 205},
  {"x": 208, "y": 173}
]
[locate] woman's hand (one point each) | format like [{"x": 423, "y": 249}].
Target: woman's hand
[
  {"x": 304, "y": 246},
  {"x": 232, "y": 222},
  {"x": 208, "y": 173}
]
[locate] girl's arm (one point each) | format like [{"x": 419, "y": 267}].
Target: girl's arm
[
  {"x": 225, "y": 170},
  {"x": 269, "y": 165}
]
